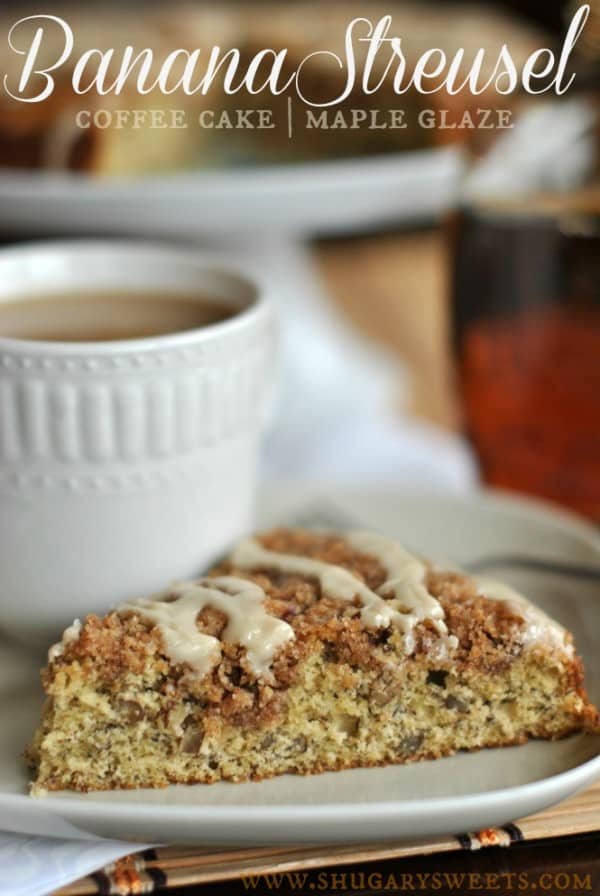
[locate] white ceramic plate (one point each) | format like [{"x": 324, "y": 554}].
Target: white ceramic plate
[
  {"x": 466, "y": 792},
  {"x": 321, "y": 197}
]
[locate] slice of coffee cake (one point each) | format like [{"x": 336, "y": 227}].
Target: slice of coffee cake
[{"x": 303, "y": 652}]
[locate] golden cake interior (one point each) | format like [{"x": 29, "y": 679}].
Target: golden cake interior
[{"x": 338, "y": 692}]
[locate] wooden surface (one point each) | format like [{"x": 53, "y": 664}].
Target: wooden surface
[
  {"x": 569, "y": 866},
  {"x": 393, "y": 288}
]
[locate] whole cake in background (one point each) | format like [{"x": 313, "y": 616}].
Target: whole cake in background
[
  {"x": 303, "y": 652},
  {"x": 45, "y": 135}
]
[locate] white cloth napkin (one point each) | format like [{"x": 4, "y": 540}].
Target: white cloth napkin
[
  {"x": 335, "y": 414},
  {"x": 330, "y": 420},
  {"x": 35, "y": 866}
]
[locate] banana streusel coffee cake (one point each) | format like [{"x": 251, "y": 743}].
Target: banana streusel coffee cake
[{"x": 303, "y": 652}]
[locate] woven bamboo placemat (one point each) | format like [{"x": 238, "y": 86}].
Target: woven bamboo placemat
[{"x": 174, "y": 867}]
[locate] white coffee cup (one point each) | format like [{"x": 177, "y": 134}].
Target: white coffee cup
[{"x": 124, "y": 464}]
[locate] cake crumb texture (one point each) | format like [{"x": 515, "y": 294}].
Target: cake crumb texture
[{"x": 339, "y": 694}]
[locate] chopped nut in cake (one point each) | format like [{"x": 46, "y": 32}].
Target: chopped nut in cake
[{"x": 303, "y": 652}]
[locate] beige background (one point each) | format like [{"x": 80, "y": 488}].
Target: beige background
[{"x": 393, "y": 288}]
